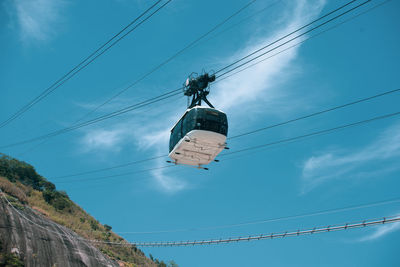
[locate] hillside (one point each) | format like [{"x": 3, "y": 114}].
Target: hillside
[
  {"x": 43, "y": 227},
  {"x": 27, "y": 244}
]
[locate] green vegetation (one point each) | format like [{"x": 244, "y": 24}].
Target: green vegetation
[
  {"x": 162, "y": 263},
  {"x": 16, "y": 170},
  {"x": 25, "y": 187},
  {"x": 107, "y": 227},
  {"x": 10, "y": 260}
]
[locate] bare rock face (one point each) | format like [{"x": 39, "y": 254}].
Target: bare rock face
[{"x": 38, "y": 241}]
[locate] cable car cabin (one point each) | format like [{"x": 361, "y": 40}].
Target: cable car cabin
[{"x": 199, "y": 136}]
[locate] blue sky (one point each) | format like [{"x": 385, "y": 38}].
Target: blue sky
[{"x": 43, "y": 39}]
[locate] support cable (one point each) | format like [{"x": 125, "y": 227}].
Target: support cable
[
  {"x": 168, "y": 59},
  {"x": 281, "y": 141},
  {"x": 296, "y": 233},
  {"x": 98, "y": 119},
  {"x": 320, "y": 132},
  {"x": 258, "y": 12},
  {"x": 111, "y": 167},
  {"x": 304, "y": 40},
  {"x": 277, "y": 219},
  {"x": 284, "y": 43},
  {"x": 128, "y": 108},
  {"x": 242, "y": 134},
  {"x": 263, "y": 146},
  {"x": 285, "y": 36},
  {"x": 163, "y": 96},
  {"x": 85, "y": 63},
  {"x": 309, "y": 231},
  {"x": 191, "y": 45},
  {"x": 314, "y": 114},
  {"x": 283, "y": 50},
  {"x": 114, "y": 175}
]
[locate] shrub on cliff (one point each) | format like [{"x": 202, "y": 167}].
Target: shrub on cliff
[
  {"x": 19, "y": 171},
  {"x": 58, "y": 199},
  {"x": 15, "y": 170},
  {"x": 8, "y": 259}
]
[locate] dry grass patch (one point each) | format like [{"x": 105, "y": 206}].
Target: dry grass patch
[
  {"x": 41, "y": 211},
  {"x": 12, "y": 189}
]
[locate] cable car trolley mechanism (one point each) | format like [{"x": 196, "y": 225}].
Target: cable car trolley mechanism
[{"x": 200, "y": 134}]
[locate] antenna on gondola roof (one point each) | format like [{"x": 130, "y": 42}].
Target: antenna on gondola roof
[{"x": 198, "y": 87}]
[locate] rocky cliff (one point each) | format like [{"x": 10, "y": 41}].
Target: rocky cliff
[
  {"x": 41, "y": 226},
  {"x": 37, "y": 241}
]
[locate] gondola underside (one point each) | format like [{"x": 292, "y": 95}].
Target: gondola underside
[{"x": 198, "y": 147}]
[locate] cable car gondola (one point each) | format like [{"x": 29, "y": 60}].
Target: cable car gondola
[{"x": 200, "y": 134}]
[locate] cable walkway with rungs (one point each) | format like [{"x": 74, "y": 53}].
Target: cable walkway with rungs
[
  {"x": 315, "y": 230},
  {"x": 346, "y": 226}
]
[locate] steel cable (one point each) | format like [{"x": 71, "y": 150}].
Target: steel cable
[{"x": 78, "y": 67}]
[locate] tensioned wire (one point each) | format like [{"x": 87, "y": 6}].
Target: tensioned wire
[
  {"x": 256, "y": 147},
  {"x": 330, "y": 228},
  {"x": 89, "y": 59},
  {"x": 139, "y": 112},
  {"x": 266, "y": 127},
  {"x": 150, "y": 101},
  {"x": 291, "y": 33},
  {"x": 160, "y": 65},
  {"x": 315, "y": 133},
  {"x": 101, "y": 118},
  {"x": 275, "y": 219},
  {"x": 281, "y": 141},
  {"x": 292, "y": 233},
  {"x": 304, "y": 40},
  {"x": 284, "y": 43},
  {"x": 191, "y": 44},
  {"x": 242, "y": 134},
  {"x": 258, "y": 12}
]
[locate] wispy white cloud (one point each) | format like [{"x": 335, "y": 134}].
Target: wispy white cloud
[
  {"x": 254, "y": 89},
  {"x": 263, "y": 82},
  {"x": 147, "y": 133},
  {"x": 100, "y": 139},
  {"x": 166, "y": 182},
  {"x": 37, "y": 18},
  {"x": 154, "y": 139},
  {"x": 334, "y": 164}
]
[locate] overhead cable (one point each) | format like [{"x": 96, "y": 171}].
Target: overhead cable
[
  {"x": 239, "y": 135},
  {"x": 167, "y": 95},
  {"x": 114, "y": 175},
  {"x": 310, "y": 231},
  {"x": 315, "y": 114},
  {"x": 169, "y": 59},
  {"x": 100, "y": 118},
  {"x": 281, "y": 141},
  {"x": 284, "y": 43},
  {"x": 163, "y": 96},
  {"x": 110, "y": 168},
  {"x": 303, "y": 41},
  {"x": 277, "y": 219},
  {"x": 242, "y": 20},
  {"x": 285, "y": 36},
  {"x": 320, "y": 132},
  {"x": 347, "y": 20},
  {"x": 83, "y": 64}
]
